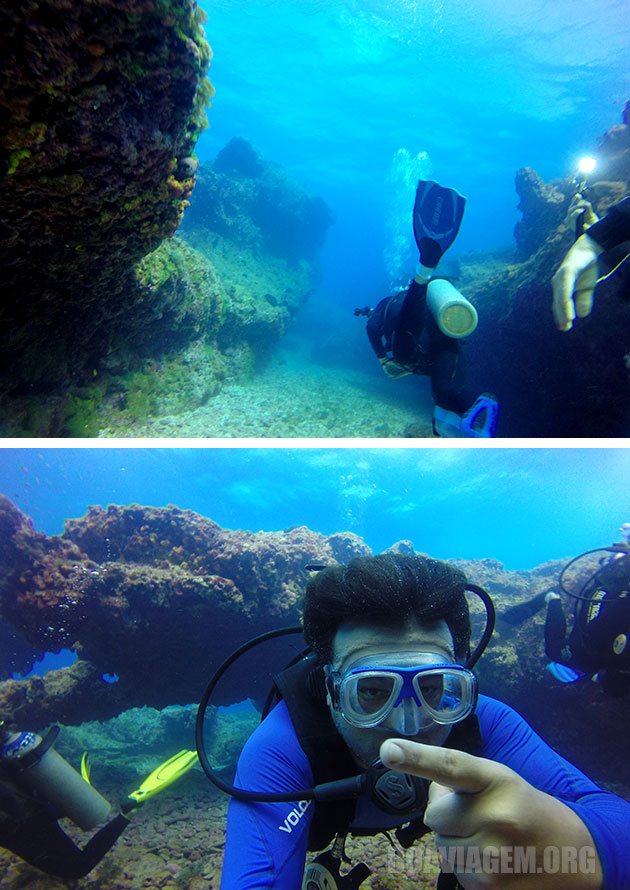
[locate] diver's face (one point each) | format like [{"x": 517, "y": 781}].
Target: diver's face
[{"x": 356, "y": 640}]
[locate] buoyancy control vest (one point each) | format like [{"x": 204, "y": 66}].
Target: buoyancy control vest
[
  {"x": 302, "y": 688},
  {"x": 601, "y": 630}
]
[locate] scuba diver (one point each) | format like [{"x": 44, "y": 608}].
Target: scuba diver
[
  {"x": 38, "y": 787},
  {"x": 598, "y": 645},
  {"x": 603, "y": 242},
  {"x": 418, "y": 329},
  {"x": 379, "y": 728}
]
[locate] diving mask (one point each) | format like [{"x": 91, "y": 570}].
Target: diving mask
[{"x": 398, "y": 691}]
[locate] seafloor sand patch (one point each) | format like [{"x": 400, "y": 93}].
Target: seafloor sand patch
[{"x": 291, "y": 399}]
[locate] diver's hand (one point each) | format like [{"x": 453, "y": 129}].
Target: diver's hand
[
  {"x": 392, "y": 368},
  {"x": 477, "y": 806},
  {"x": 580, "y": 209},
  {"x": 574, "y": 282}
]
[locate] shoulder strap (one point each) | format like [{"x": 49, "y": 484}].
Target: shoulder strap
[{"x": 302, "y": 688}]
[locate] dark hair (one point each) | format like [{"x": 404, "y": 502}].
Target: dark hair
[{"x": 388, "y": 589}]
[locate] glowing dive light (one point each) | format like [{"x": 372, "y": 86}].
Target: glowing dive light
[{"x": 586, "y": 165}]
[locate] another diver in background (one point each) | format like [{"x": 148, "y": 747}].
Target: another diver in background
[
  {"x": 38, "y": 787},
  {"x": 417, "y": 330},
  {"x": 599, "y": 642},
  {"x": 577, "y": 276}
]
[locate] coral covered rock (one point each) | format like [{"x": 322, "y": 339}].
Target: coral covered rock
[
  {"x": 100, "y": 107},
  {"x": 157, "y": 597},
  {"x": 253, "y": 202},
  {"x": 542, "y": 208},
  {"x": 114, "y": 324},
  {"x": 160, "y": 597}
]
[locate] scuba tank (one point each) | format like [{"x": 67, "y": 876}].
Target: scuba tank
[
  {"x": 454, "y": 315},
  {"x": 34, "y": 763}
]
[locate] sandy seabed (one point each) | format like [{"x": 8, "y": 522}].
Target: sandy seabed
[{"x": 291, "y": 399}]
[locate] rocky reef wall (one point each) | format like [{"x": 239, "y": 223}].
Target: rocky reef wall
[
  {"x": 107, "y": 318},
  {"x": 100, "y": 107},
  {"x": 160, "y": 597},
  {"x": 254, "y": 204}
]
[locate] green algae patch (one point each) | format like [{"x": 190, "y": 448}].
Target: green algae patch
[
  {"x": 180, "y": 296},
  {"x": 168, "y": 387},
  {"x": 81, "y": 418}
]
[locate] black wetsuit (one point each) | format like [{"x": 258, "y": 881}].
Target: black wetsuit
[
  {"x": 614, "y": 228},
  {"x": 612, "y": 232},
  {"x": 29, "y": 828},
  {"x": 598, "y": 622},
  {"x": 403, "y": 328}
]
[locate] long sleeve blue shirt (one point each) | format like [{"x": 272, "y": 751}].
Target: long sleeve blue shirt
[{"x": 266, "y": 843}]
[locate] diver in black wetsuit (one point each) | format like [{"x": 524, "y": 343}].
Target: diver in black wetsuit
[
  {"x": 598, "y": 645},
  {"x": 407, "y": 340},
  {"x": 38, "y": 787},
  {"x": 29, "y": 828},
  {"x": 599, "y": 642},
  {"x": 418, "y": 329}
]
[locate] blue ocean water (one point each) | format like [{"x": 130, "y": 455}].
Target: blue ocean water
[
  {"x": 333, "y": 89},
  {"x": 519, "y": 506}
]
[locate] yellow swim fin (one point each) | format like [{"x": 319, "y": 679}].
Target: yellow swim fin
[
  {"x": 165, "y": 774},
  {"x": 86, "y": 767}
]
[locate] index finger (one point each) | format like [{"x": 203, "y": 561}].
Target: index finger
[
  {"x": 455, "y": 769},
  {"x": 563, "y": 283}
]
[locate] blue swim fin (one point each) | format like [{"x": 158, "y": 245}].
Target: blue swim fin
[
  {"x": 480, "y": 421},
  {"x": 563, "y": 673},
  {"x": 437, "y": 216}
]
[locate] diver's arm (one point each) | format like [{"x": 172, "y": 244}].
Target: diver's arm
[
  {"x": 509, "y": 739},
  {"x": 575, "y": 280},
  {"x": 376, "y": 338},
  {"x": 614, "y": 228},
  {"x": 376, "y": 342},
  {"x": 374, "y": 330},
  {"x": 41, "y": 841},
  {"x": 266, "y": 843}
]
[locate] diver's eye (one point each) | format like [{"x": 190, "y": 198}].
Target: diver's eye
[
  {"x": 373, "y": 693},
  {"x": 432, "y": 689}
]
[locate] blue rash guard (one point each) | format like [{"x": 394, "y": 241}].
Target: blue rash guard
[{"x": 266, "y": 843}]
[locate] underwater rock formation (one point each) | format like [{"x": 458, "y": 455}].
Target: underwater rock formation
[
  {"x": 552, "y": 383},
  {"x": 218, "y": 298},
  {"x": 116, "y": 320},
  {"x": 542, "y": 208},
  {"x": 158, "y": 597},
  {"x": 614, "y": 153},
  {"x": 100, "y": 108},
  {"x": 161, "y": 596},
  {"x": 254, "y": 203}
]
